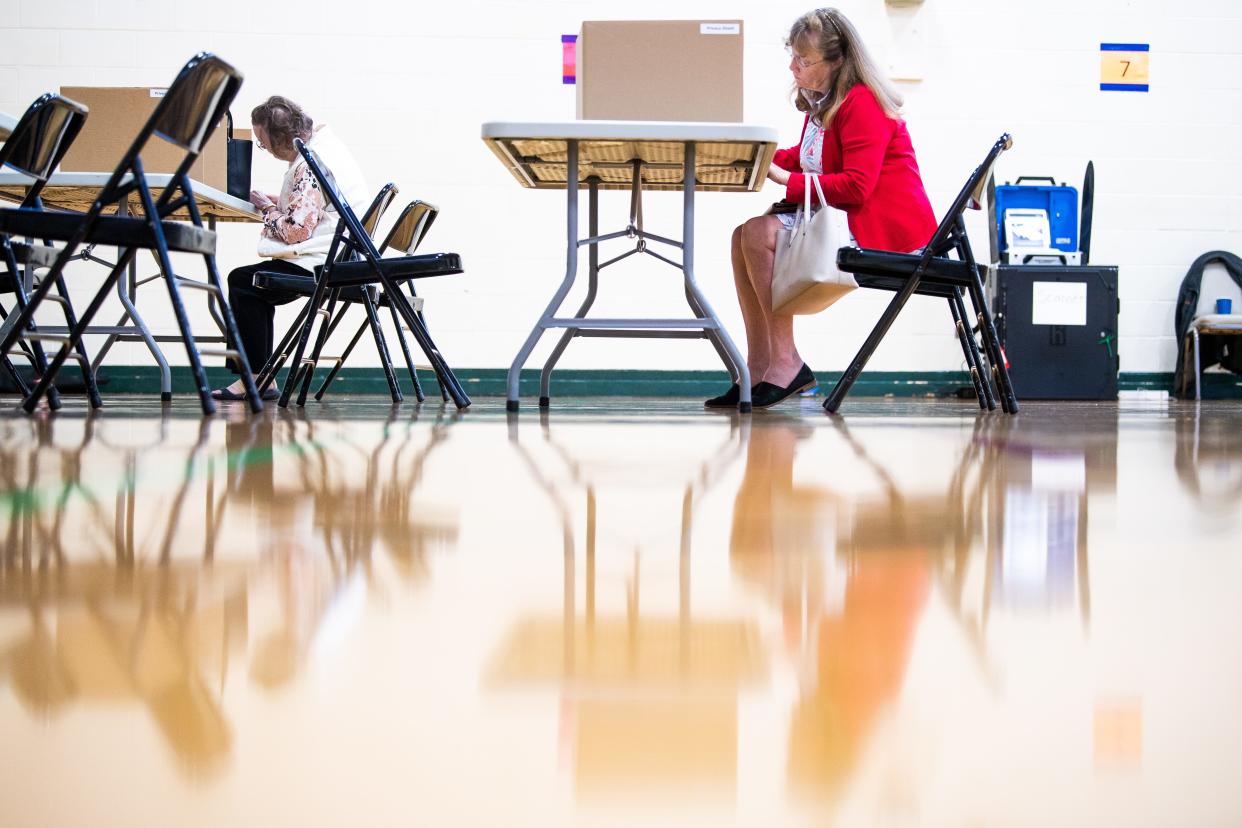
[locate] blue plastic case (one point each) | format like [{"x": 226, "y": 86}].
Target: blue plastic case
[{"x": 1061, "y": 203}]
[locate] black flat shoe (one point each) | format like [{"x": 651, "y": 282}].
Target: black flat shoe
[
  {"x": 766, "y": 395},
  {"x": 232, "y": 396},
  {"x": 728, "y": 399}
]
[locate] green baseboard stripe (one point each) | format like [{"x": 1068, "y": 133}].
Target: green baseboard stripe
[
  {"x": 1213, "y": 386},
  {"x": 490, "y": 382}
]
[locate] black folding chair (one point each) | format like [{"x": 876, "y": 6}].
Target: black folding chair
[
  {"x": 305, "y": 285},
  {"x": 190, "y": 110},
  {"x": 406, "y": 234},
  {"x": 34, "y": 149},
  {"x": 933, "y": 273},
  {"x": 339, "y": 275}
]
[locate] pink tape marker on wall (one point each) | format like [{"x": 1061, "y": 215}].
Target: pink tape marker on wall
[{"x": 569, "y": 58}]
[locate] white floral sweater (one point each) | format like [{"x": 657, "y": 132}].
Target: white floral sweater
[{"x": 299, "y": 227}]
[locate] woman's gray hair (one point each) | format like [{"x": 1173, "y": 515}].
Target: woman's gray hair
[{"x": 282, "y": 120}]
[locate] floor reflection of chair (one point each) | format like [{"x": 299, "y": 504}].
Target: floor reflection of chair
[
  {"x": 653, "y": 696},
  {"x": 112, "y": 625},
  {"x": 383, "y": 506},
  {"x": 317, "y": 585},
  {"x": 1208, "y": 460},
  {"x": 852, "y": 566},
  {"x": 203, "y": 465},
  {"x": 41, "y": 478},
  {"x": 47, "y": 492},
  {"x": 1012, "y": 522},
  {"x": 1036, "y": 498},
  {"x": 160, "y": 636}
]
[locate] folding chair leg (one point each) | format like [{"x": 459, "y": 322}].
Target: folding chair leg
[
  {"x": 837, "y": 395},
  {"x": 38, "y": 358},
  {"x": 11, "y": 370},
  {"x": 381, "y": 346},
  {"x": 983, "y": 388},
  {"x": 75, "y": 335},
  {"x": 991, "y": 343},
  {"x": 295, "y": 368},
  {"x": 405, "y": 353},
  {"x": 443, "y": 373},
  {"x": 174, "y": 295},
  {"x": 421, "y": 318},
  {"x": 280, "y": 354},
  {"x": 1004, "y": 386},
  {"x": 340, "y": 361},
  {"x": 187, "y": 335},
  {"x": 88, "y": 374},
  {"x": 34, "y": 348},
  {"x": 232, "y": 334},
  {"x": 325, "y": 330}
]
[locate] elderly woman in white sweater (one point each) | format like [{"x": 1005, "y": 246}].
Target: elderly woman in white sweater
[{"x": 297, "y": 224}]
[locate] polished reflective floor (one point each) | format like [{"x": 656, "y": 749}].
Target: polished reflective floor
[{"x": 627, "y": 612}]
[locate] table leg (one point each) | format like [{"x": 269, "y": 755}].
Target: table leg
[
  {"x": 126, "y": 290},
  {"x": 211, "y": 295},
  {"x": 571, "y": 273},
  {"x": 545, "y": 379},
  {"x": 719, "y": 337}
]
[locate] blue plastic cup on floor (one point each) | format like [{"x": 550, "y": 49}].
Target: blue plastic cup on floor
[{"x": 1224, "y": 306}]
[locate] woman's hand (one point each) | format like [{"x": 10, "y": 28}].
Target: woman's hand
[
  {"x": 778, "y": 175},
  {"x": 261, "y": 200}
]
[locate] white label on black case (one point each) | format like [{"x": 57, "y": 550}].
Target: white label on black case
[{"x": 1059, "y": 303}]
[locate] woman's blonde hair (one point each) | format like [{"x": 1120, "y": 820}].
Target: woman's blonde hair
[{"x": 833, "y": 38}]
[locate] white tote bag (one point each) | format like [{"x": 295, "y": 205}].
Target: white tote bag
[{"x": 805, "y": 276}]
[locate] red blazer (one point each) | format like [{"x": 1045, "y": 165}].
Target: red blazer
[{"x": 870, "y": 173}]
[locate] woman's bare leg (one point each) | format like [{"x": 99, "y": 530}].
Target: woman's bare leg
[
  {"x": 752, "y": 312},
  {"x": 758, "y": 247}
]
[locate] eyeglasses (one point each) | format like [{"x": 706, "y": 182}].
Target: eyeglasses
[
  {"x": 260, "y": 144},
  {"x": 801, "y": 62}
]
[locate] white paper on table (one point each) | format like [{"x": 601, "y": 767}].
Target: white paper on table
[{"x": 1059, "y": 303}]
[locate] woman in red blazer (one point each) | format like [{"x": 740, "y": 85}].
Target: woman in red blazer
[{"x": 855, "y": 142}]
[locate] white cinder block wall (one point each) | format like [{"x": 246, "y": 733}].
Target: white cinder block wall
[{"x": 408, "y": 84}]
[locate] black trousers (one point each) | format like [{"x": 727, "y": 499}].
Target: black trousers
[{"x": 255, "y": 308}]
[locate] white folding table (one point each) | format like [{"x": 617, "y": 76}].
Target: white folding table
[
  {"x": 76, "y": 191},
  {"x": 633, "y": 156}
]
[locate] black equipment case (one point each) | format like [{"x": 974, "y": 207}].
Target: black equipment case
[{"x": 1074, "y": 360}]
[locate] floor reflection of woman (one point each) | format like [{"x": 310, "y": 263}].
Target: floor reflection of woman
[
  {"x": 857, "y": 651},
  {"x": 861, "y": 656}
]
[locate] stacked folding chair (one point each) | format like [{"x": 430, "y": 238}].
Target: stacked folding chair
[
  {"x": 190, "y": 110},
  {"x": 34, "y": 149},
  {"x": 361, "y": 265},
  {"x": 405, "y": 235},
  {"x": 305, "y": 285}
]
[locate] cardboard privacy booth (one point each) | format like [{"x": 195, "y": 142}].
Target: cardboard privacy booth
[
  {"x": 660, "y": 70},
  {"x": 116, "y": 115}
]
